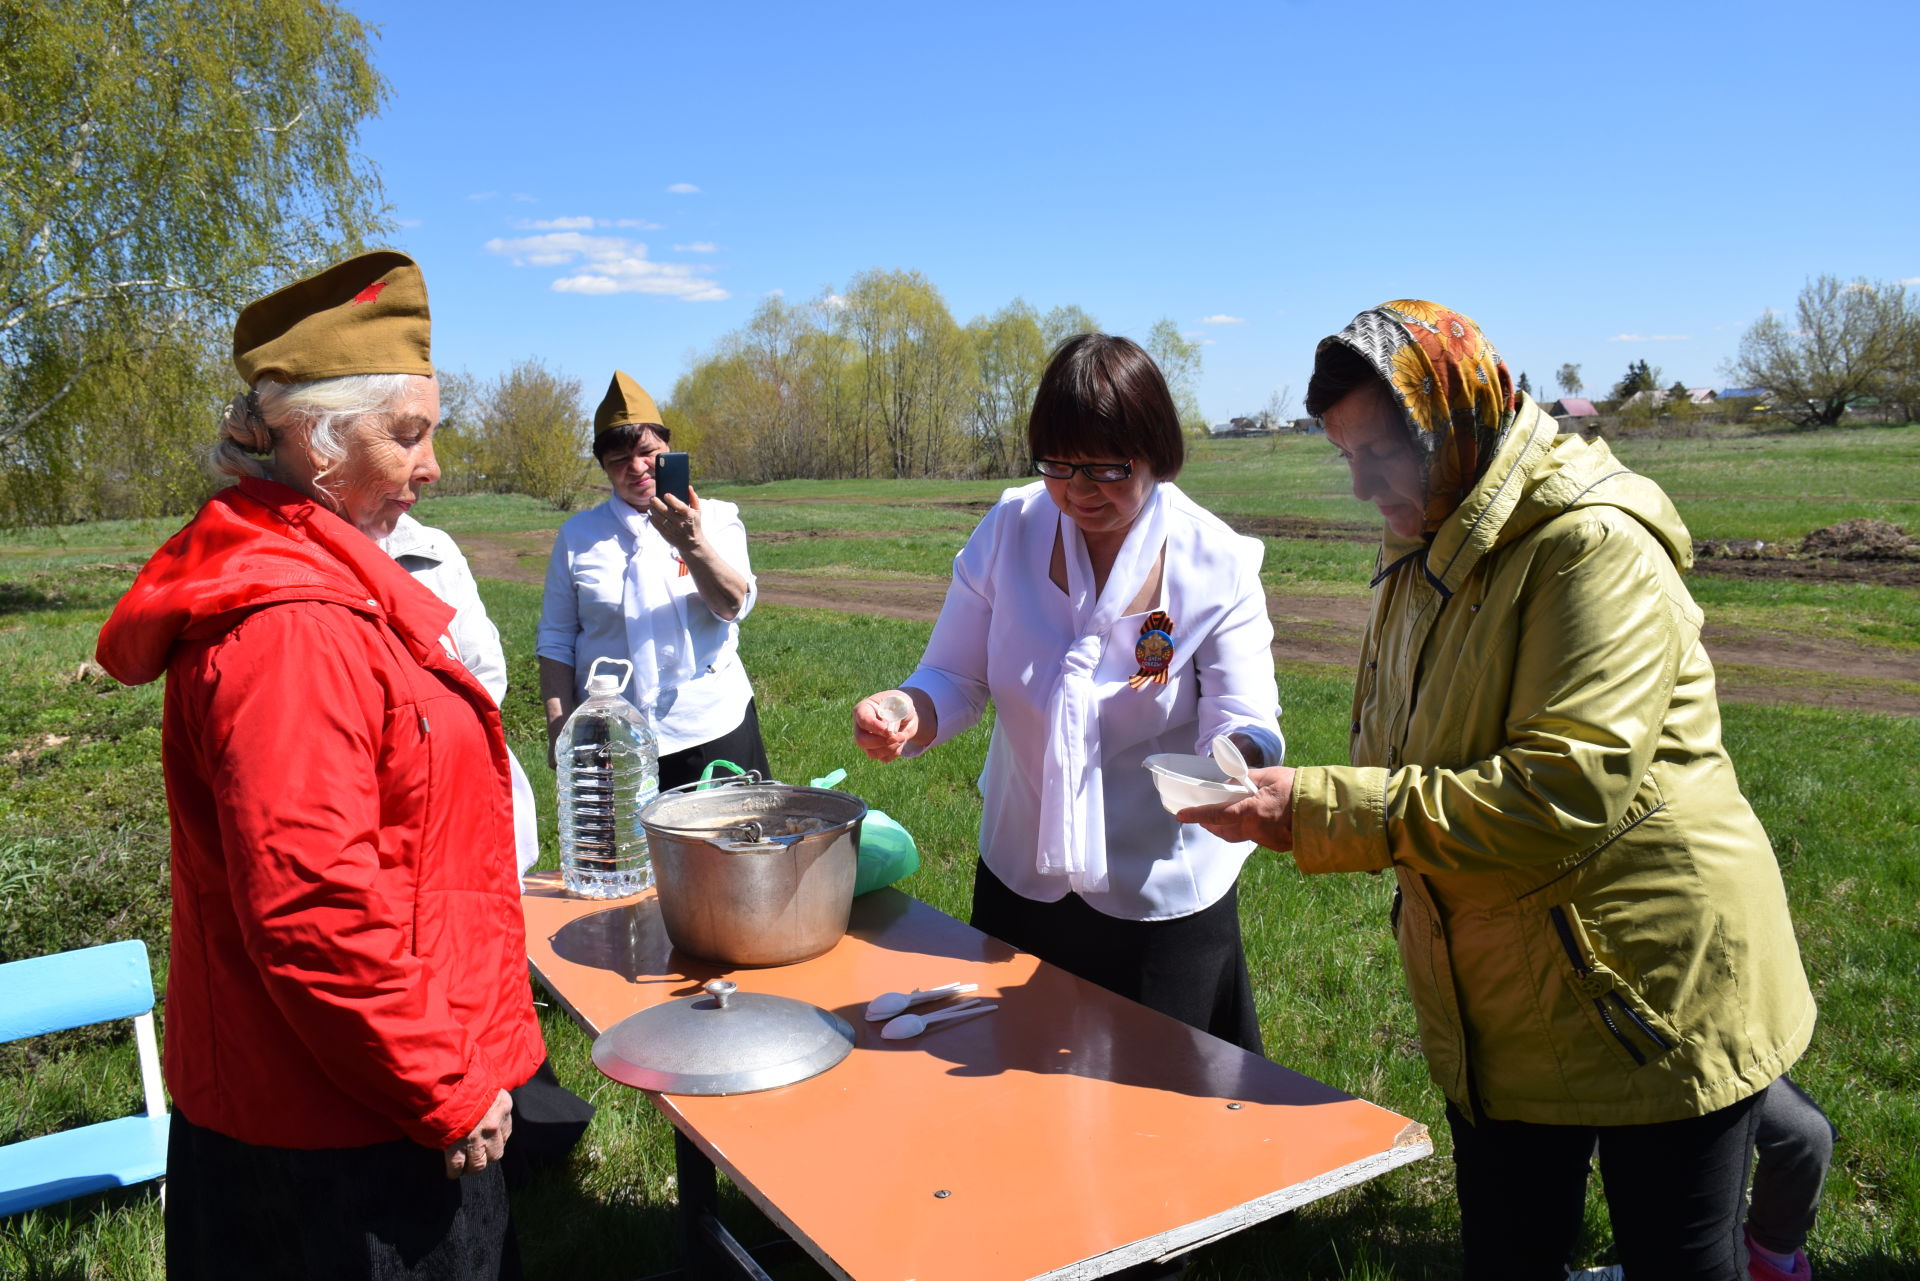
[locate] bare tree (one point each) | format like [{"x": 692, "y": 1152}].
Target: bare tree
[
  {"x": 1278, "y": 410},
  {"x": 1569, "y": 380},
  {"x": 1847, "y": 340}
]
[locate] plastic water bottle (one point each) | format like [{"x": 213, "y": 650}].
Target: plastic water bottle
[{"x": 609, "y": 767}]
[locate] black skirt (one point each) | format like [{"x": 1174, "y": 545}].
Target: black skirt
[
  {"x": 1192, "y": 968},
  {"x": 741, "y": 745},
  {"x": 386, "y": 1212}
]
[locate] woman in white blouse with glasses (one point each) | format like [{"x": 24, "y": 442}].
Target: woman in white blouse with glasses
[{"x": 1109, "y": 617}]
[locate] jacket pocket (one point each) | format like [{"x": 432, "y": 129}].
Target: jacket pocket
[{"x": 1626, "y": 1021}]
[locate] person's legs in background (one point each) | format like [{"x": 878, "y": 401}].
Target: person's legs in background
[{"x": 1793, "y": 1150}]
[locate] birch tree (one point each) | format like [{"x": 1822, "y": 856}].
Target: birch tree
[
  {"x": 1010, "y": 351},
  {"x": 161, "y": 161}
]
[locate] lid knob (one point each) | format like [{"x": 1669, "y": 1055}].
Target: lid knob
[{"x": 721, "y": 989}]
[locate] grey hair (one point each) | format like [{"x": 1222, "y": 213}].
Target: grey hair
[{"x": 329, "y": 409}]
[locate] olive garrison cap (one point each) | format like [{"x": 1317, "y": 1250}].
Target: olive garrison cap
[
  {"x": 367, "y": 315},
  {"x": 626, "y": 404}
]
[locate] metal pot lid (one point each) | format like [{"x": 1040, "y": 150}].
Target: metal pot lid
[{"x": 724, "y": 1042}]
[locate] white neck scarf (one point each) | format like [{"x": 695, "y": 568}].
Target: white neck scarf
[
  {"x": 1072, "y": 837},
  {"x": 655, "y": 613}
]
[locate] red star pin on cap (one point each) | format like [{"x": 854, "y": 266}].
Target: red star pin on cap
[{"x": 370, "y": 293}]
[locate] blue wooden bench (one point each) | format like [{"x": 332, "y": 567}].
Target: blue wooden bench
[{"x": 73, "y": 989}]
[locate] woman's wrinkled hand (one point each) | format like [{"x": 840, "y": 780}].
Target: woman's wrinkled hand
[
  {"x": 1266, "y": 817},
  {"x": 884, "y": 723},
  {"x": 675, "y": 521},
  {"x": 484, "y": 1145}
]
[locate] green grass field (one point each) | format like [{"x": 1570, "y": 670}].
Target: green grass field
[{"x": 83, "y": 848}]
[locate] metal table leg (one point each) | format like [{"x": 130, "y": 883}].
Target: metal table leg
[{"x": 708, "y": 1252}]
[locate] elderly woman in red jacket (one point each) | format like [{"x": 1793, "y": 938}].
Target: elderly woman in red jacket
[{"x": 347, "y": 1005}]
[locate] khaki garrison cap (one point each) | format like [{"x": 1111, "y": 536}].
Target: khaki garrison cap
[
  {"x": 626, "y": 404},
  {"x": 367, "y": 315}
]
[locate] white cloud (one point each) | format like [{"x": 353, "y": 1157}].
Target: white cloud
[
  {"x": 697, "y": 247},
  {"x": 1207, "y": 342},
  {"x": 775, "y": 293},
  {"x": 582, "y": 222},
  {"x": 524, "y": 198},
  {"x": 1651, "y": 338},
  {"x": 482, "y": 195},
  {"x": 1222, "y": 318},
  {"x": 607, "y": 265},
  {"x": 1911, "y": 280},
  {"x": 406, "y": 222},
  {"x": 834, "y": 302},
  {"x": 684, "y": 189}
]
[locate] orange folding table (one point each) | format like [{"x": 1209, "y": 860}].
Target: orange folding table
[{"x": 1068, "y": 1134}]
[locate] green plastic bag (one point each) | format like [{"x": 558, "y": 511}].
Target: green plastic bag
[{"x": 887, "y": 851}]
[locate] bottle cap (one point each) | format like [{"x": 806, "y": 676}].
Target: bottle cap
[{"x": 603, "y": 684}]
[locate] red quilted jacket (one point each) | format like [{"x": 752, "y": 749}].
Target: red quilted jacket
[{"x": 348, "y": 964}]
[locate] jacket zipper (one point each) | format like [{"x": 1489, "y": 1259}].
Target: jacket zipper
[{"x": 1564, "y": 929}]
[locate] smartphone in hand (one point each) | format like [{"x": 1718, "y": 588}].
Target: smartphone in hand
[{"x": 671, "y": 476}]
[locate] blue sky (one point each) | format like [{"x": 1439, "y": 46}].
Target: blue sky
[{"x": 602, "y": 185}]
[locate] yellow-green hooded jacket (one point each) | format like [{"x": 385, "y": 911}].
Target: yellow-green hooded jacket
[{"x": 1590, "y": 916}]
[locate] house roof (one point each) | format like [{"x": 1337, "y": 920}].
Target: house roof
[
  {"x": 1659, "y": 396},
  {"x": 1572, "y": 407},
  {"x": 1745, "y": 393}
]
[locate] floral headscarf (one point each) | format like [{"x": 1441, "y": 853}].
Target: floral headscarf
[{"x": 1456, "y": 391}]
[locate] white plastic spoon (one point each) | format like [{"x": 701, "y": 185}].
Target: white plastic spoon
[
  {"x": 914, "y": 1024},
  {"x": 894, "y": 710},
  {"x": 888, "y": 1004},
  {"x": 1231, "y": 762}
]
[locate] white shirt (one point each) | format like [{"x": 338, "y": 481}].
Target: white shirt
[
  {"x": 583, "y": 617},
  {"x": 1002, "y": 634},
  {"x": 435, "y": 561}
]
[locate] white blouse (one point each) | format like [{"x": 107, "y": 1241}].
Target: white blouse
[
  {"x": 436, "y": 562},
  {"x": 583, "y": 617},
  {"x": 1003, "y": 633}
]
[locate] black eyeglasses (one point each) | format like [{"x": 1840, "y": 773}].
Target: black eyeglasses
[{"x": 1099, "y": 473}]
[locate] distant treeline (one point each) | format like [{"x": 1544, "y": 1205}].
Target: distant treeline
[{"x": 882, "y": 381}]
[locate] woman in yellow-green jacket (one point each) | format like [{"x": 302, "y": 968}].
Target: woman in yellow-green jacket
[{"x": 1590, "y": 917}]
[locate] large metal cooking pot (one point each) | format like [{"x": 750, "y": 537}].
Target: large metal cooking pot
[{"x": 754, "y": 873}]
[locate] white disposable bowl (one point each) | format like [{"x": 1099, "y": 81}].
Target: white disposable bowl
[{"x": 1185, "y": 781}]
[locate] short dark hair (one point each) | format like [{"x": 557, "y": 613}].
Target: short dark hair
[
  {"x": 1339, "y": 370},
  {"x": 626, "y": 436},
  {"x": 1103, "y": 397}
]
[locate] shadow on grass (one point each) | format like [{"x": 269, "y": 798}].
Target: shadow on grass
[
  {"x": 76, "y": 589},
  {"x": 61, "y": 1242},
  {"x": 1371, "y": 1231},
  {"x": 565, "y": 1232},
  {"x": 19, "y": 598}
]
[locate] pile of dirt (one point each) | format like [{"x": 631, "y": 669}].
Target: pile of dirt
[{"x": 1861, "y": 540}]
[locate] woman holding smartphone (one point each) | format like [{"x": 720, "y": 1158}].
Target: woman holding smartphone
[{"x": 658, "y": 580}]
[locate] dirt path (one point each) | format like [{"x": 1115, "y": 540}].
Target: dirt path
[{"x": 1753, "y": 666}]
